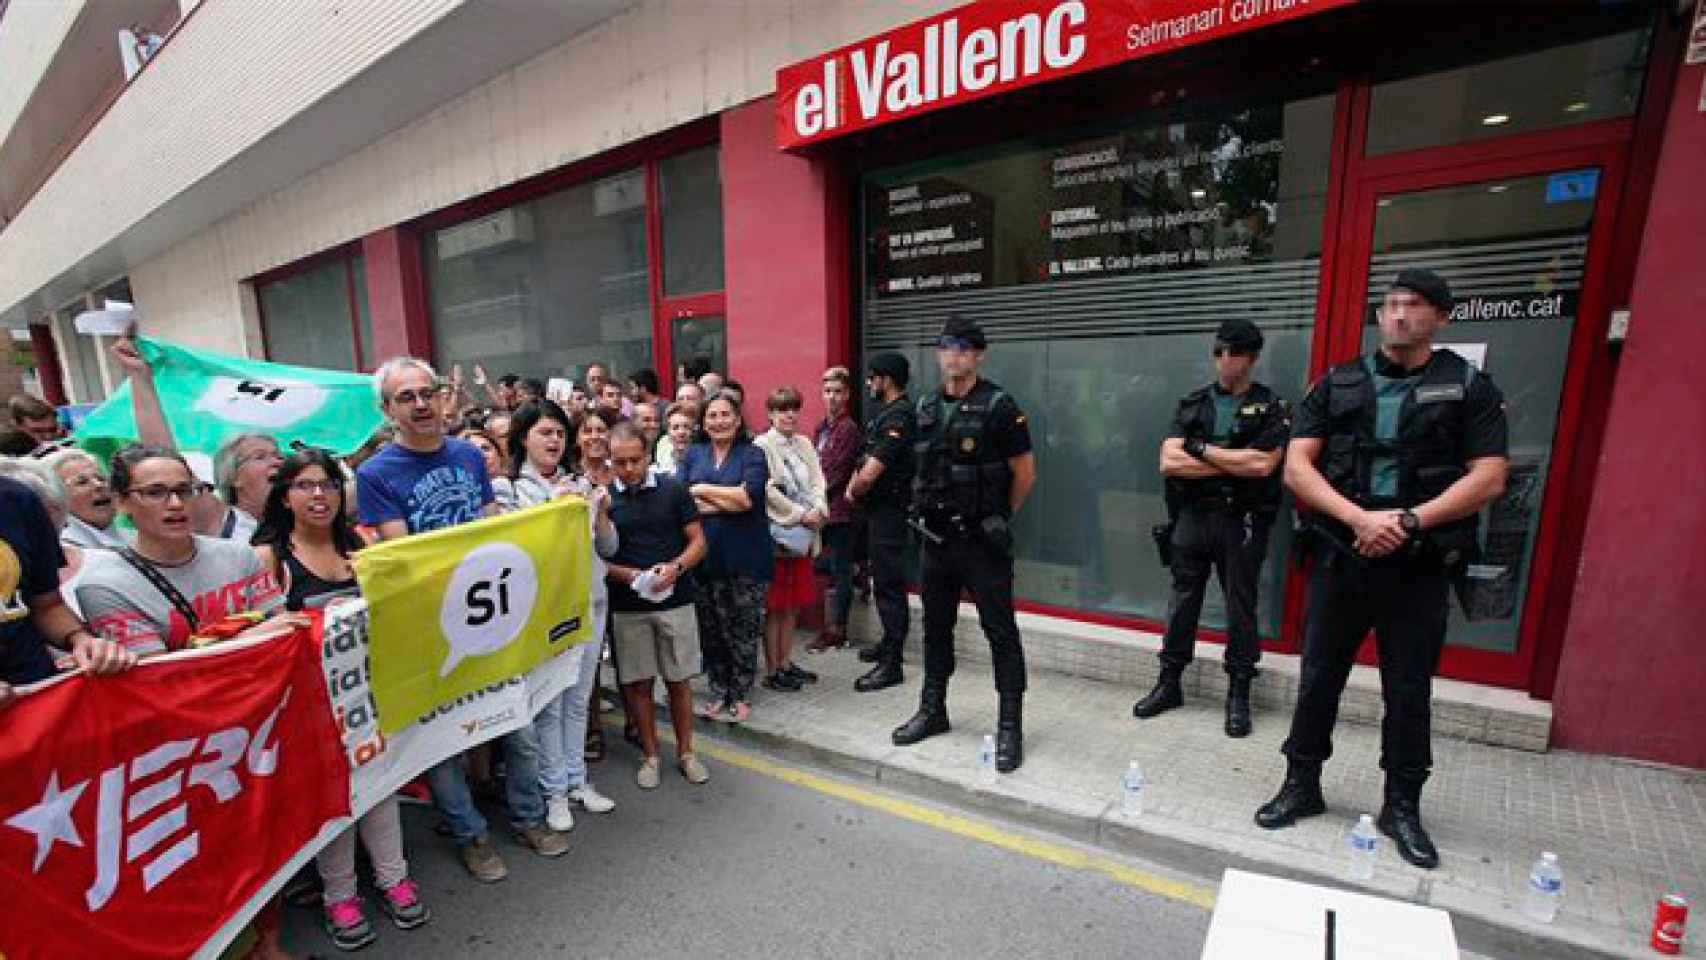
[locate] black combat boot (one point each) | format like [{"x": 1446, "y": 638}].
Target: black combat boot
[
  {"x": 1166, "y": 695},
  {"x": 1238, "y": 707},
  {"x": 1401, "y": 819},
  {"x": 932, "y": 715},
  {"x": 871, "y": 653},
  {"x": 1299, "y": 797},
  {"x": 885, "y": 674},
  {"x": 1010, "y": 733}
]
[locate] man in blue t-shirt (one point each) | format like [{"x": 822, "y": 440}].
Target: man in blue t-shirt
[
  {"x": 31, "y": 610},
  {"x": 421, "y": 481}
]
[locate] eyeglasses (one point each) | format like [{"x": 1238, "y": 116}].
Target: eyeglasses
[
  {"x": 160, "y": 493},
  {"x": 311, "y": 487},
  {"x": 1222, "y": 350},
  {"x": 83, "y": 481},
  {"x": 272, "y": 456},
  {"x": 409, "y": 398},
  {"x": 954, "y": 343}
]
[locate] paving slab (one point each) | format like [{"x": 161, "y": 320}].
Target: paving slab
[{"x": 1625, "y": 831}]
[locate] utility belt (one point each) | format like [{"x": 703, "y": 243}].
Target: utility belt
[
  {"x": 940, "y": 525},
  {"x": 1450, "y": 549}
]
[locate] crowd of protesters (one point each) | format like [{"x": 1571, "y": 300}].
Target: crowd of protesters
[{"x": 707, "y": 544}]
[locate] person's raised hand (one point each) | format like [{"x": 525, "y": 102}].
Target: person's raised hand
[{"x": 129, "y": 358}]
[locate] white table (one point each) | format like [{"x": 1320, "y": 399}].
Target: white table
[{"x": 1257, "y": 916}]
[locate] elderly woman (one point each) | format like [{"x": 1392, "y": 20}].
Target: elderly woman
[
  {"x": 796, "y": 502},
  {"x": 680, "y": 422},
  {"x": 88, "y": 499}
]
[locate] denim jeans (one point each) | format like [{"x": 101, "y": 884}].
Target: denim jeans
[
  {"x": 526, "y": 806},
  {"x": 560, "y": 728}
]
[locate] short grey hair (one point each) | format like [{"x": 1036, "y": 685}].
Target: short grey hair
[
  {"x": 394, "y": 366},
  {"x": 64, "y": 455},
  {"x": 38, "y": 477},
  {"x": 225, "y": 462}
]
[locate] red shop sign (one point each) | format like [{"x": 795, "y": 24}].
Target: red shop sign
[{"x": 983, "y": 49}]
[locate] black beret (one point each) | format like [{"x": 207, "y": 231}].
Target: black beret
[
  {"x": 1426, "y": 284},
  {"x": 1239, "y": 334},
  {"x": 964, "y": 328}
]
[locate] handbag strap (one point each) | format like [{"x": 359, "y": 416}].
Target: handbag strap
[
  {"x": 797, "y": 489},
  {"x": 158, "y": 579}
]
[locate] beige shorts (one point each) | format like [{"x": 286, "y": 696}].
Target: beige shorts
[{"x": 661, "y": 644}]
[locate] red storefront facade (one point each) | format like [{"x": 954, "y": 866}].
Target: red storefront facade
[{"x": 1292, "y": 152}]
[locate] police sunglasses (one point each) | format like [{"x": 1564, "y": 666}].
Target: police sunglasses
[{"x": 1227, "y": 349}]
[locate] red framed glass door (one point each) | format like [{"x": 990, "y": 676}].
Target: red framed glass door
[{"x": 1523, "y": 236}]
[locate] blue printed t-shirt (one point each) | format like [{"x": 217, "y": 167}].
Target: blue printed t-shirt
[
  {"x": 735, "y": 543},
  {"x": 30, "y": 559},
  {"x": 428, "y": 491}
]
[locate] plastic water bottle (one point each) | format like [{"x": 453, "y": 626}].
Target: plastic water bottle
[
  {"x": 1365, "y": 847},
  {"x": 986, "y": 759},
  {"x": 1131, "y": 792},
  {"x": 1545, "y": 888}
]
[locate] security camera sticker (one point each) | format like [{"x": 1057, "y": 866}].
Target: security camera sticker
[
  {"x": 488, "y": 602},
  {"x": 269, "y": 404}
]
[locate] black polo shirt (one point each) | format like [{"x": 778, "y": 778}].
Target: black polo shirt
[{"x": 649, "y": 521}]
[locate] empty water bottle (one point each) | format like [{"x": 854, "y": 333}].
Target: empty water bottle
[
  {"x": 1545, "y": 888},
  {"x": 986, "y": 759},
  {"x": 1131, "y": 792},
  {"x": 1365, "y": 847}
]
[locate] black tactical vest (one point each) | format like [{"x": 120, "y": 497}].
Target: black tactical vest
[
  {"x": 1428, "y": 447},
  {"x": 1240, "y": 494},
  {"x": 960, "y": 472}
]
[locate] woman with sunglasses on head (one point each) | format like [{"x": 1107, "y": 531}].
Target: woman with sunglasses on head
[
  {"x": 538, "y": 442},
  {"x": 306, "y": 540},
  {"x": 154, "y": 596}
]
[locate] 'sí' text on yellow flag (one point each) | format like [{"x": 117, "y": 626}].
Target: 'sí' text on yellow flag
[{"x": 460, "y": 609}]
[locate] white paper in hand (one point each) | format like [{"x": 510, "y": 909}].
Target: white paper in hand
[{"x": 650, "y": 590}]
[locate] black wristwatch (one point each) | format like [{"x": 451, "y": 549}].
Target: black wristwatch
[
  {"x": 1411, "y": 523},
  {"x": 1196, "y": 448}
]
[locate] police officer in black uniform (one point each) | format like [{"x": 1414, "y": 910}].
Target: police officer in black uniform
[
  {"x": 975, "y": 469},
  {"x": 1222, "y": 463},
  {"x": 1394, "y": 454},
  {"x": 882, "y": 488}
]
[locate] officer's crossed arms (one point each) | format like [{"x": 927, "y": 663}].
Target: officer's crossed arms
[{"x": 1217, "y": 461}]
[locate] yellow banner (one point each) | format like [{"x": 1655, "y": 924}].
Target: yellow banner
[{"x": 460, "y": 609}]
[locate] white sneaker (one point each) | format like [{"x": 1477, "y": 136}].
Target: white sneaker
[
  {"x": 591, "y": 800},
  {"x": 557, "y": 815}
]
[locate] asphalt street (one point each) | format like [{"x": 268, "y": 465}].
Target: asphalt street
[{"x": 770, "y": 860}]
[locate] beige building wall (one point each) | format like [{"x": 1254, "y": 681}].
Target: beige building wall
[{"x": 657, "y": 66}]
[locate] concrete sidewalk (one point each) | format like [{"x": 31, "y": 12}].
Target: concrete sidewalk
[{"x": 1624, "y": 832}]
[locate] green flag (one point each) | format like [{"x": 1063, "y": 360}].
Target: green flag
[{"x": 208, "y": 397}]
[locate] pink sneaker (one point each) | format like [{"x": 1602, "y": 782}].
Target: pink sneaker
[
  {"x": 403, "y": 903},
  {"x": 347, "y": 925}
]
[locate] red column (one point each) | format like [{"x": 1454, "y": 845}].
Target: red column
[
  {"x": 1630, "y": 678},
  {"x": 396, "y": 296},
  {"x": 785, "y": 263},
  {"x": 52, "y": 379}
]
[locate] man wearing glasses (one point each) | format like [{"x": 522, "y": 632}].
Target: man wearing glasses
[
  {"x": 975, "y": 469},
  {"x": 424, "y": 480},
  {"x": 1221, "y": 460}
]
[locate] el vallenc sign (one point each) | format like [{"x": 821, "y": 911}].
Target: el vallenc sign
[{"x": 983, "y": 49}]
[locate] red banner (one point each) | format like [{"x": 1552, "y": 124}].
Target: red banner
[
  {"x": 139, "y": 812},
  {"x": 983, "y": 49}
]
